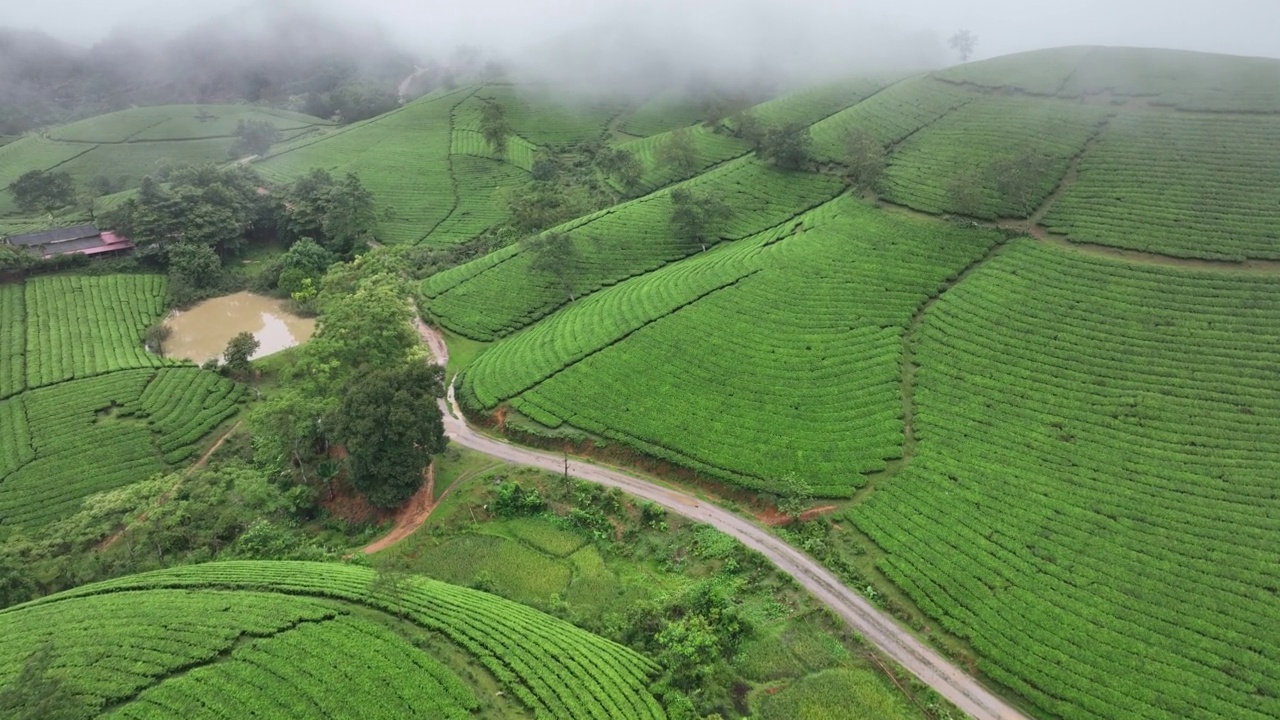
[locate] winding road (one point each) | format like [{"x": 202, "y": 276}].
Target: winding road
[{"x": 949, "y": 681}]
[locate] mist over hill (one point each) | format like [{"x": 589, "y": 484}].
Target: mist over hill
[{"x": 271, "y": 54}]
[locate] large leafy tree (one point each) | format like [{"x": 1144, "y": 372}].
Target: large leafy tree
[
  {"x": 337, "y": 214},
  {"x": 786, "y": 146},
  {"x": 677, "y": 152},
  {"x": 494, "y": 126},
  {"x": 695, "y": 215},
  {"x": 254, "y": 137},
  {"x": 555, "y": 254},
  {"x": 391, "y": 425},
  {"x": 364, "y": 330},
  {"x": 40, "y": 191},
  {"x": 196, "y": 205}
]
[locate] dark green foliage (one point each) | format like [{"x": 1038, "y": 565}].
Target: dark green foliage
[
  {"x": 555, "y": 254},
  {"x": 494, "y": 126},
  {"x": 514, "y": 500},
  {"x": 195, "y": 205},
  {"x": 16, "y": 259},
  {"x": 339, "y": 215},
  {"x": 677, "y": 153},
  {"x": 239, "y": 349},
  {"x": 540, "y": 205},
  {"x": 361, "y": 100},
  {"x": 391, "y": 425},
  {"x": 749, "y": 128},
  {"x": 694, "y": 215},
  {"x": 192, "y": 266},
  {"x": 622, "y": 166},
  {"x": 39, "y": 692},
  {"x": 37, "y": 191},
  {"x": 254, "y": 137},
  {"x": 865, "y": 158},
  {"x": 786, "y": 146},
  {"x": 693, "y": 635}
]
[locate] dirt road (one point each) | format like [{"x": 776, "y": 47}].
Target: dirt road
[{"x": 879, "y": 629}]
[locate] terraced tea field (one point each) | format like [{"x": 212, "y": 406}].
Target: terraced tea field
[
  {"x": 498, "y": 294},
  {"x": 965, "y": 146},
  {"x": 98, "y": 411},
  {"x": 125, "y": 146},
  {"x": 788, "y": 339},
  {"x": 1197, "y": 186},
  {"x": 1093, "y": 504},
  {"x": 276, "y": 638},
  {"x": 711, "y": 149},
  {"x": 890, "y": 116}
]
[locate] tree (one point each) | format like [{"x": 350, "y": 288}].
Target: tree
[
  {"x": 623, "y": 166},
  {"x": 239, "y": 350},
  {"x": 865, "y": 158},
  {"x": 1019, "y": 179},
  {"x": 677, "y": 153},
  {"x": 494, "y": 126},
  {"x": 749, "y": 129},
  {"x": 15, "y": 259},
  {"x": 391, "y": 425},
  {"x": 196, "y": 205},
  {"x": 694, "y": 215},
  {"x": 38, "y": 191},
  {"x": 367, "y": 329},
  {"x": 963, "y": 43},
  {"x": 39, "y": 693},
  {"x": 797, "y": 494},
  {"x": 337, "y": 214},
  {"x": 195, "y": 266},
  {"x": 555, "y": 254},
  {"x": 786, "y": 146},
  {"x": 254, "y": 137}
]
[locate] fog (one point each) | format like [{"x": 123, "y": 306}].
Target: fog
[{"x": 717, "y": 36}]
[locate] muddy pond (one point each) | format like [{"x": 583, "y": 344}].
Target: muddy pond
[{"x": 202, "y": 331}]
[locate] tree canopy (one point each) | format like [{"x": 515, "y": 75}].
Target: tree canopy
[
  {"x": 390, "y": 425},
  {"x": 254, "y": 137},
  {"x": 40, "y": 191},
  {"x": 677, "y": 152},
  {"x": 494, "y": 126},
  {"x": 339, "y": 215},
  {"x": 555, "y": 254},
  {"x": 786, "y": 146},
  {"x": 694, "y": 215}
]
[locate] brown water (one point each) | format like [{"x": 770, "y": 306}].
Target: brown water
[{"x": 202, "y": 332}]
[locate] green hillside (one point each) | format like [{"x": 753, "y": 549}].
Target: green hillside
[
  {"x": 1061, "y": 454},
  {"x": 119, "y": 149},
  {"x": 85, "y": 408},
  {"x": 274, "y": 639},
  {"x": 1097, "y": 478},
  {"x": 797, "y": 329}
]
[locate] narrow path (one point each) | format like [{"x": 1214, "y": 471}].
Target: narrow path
[
  {"x": 410, "y": 516},
  {"x": 114, "y": 537},
  {"x": 403, "y": 90},
  {"x": 878, "y": 628}
]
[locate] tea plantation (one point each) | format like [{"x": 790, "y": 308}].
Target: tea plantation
[
  {"x": 275, "y": 639},
  {"x": 85, "y": 408}
]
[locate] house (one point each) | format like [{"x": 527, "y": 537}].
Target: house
[{"x": 82, "y": 239}]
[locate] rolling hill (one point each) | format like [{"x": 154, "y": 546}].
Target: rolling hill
[
  {"x": 118, "y": 149},
  {"x": 273, "y": 639},
  {"x": 1062, "y": 451}
]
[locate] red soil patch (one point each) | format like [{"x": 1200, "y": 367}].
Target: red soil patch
[
  {"x": 410, "y": 516},
  {"x": 775, "y": 518}
]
